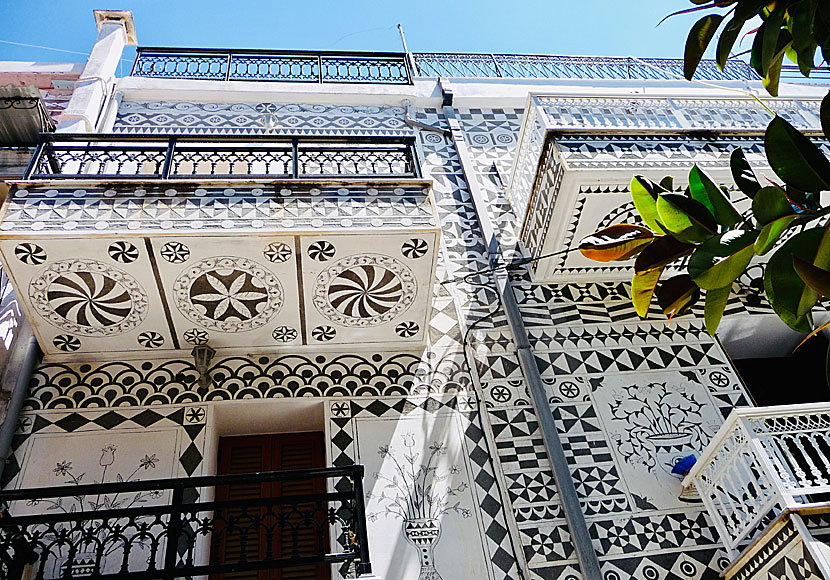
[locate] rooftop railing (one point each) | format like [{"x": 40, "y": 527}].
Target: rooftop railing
[
  {"x": 762, "y": 462},
  {"x": 177, "y": 528},
  {"x": 397, "y": 67},
  {"x": 277, "y": 65},
  {"x": 93, "y": 156},
  {"x": 538, "y": 66}
]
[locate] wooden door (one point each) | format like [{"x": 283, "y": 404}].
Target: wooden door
[{"x": 251, "y": 454}]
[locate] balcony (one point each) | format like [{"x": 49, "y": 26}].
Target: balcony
[
  {"x": 398, "y": 68},
  {"x": 174, "y": 528},
  {"x": 82, "y": 156},
  {"x": 389, "y": 68},
  {"x": 765, "y": 473},
  {"x": 119, "y": 244},
  {"x": 576, "y": 157}
]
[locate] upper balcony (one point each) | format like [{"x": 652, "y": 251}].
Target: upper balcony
[
  {"x": 399, "y": 68},
  {"x": 120, "y": 244}
]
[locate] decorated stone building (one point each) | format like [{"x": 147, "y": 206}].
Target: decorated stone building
[{"x": 310, "y": 315}]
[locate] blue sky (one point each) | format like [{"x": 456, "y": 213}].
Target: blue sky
[{"x": 586, "y": 27}]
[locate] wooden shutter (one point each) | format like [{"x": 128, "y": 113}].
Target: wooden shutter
[{"x": 251, "y": 454}]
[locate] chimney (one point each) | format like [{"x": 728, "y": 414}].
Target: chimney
[{"x": 116, "y": 30}]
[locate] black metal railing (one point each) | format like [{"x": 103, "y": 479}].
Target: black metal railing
[
  {"x": 541, "y": 66},
  {"x": 165, "y": 529},
  {"x": 276, "y": 65},
  {"x": 85, "y": 156}
]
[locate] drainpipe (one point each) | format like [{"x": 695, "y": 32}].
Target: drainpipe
[
  {"x": 578, "y": 528},
  {"x": 19, "y": 372}
]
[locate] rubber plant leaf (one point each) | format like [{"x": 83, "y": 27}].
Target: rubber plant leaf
[
  {"x": 815, "y": 277},
  {"x": 727, "y": 41},
  {"x": 771, "y": 30},
  {"x": 699, "y": 38},
  {"x": 794, "y": 158},
  {"x": 662, "y": 251},
  {"x": 787, "y": 293},
  {"x": 617, "y": 242},
  {"x": 713, "y": 306},
  {"x": 644, "y": 194},
  {"x": 770, "y": 234},
  {"x": 801, "y": 26},
  {"x": 719, "y": 261},
  {"x": 710, "y": 195},
  {"x": 677, "y": 294},
  {"x": 742, "y": 173},
  {"x": 687, "y": 220},
  {"x": 642, "y": 289},
  {"x": 825, "y": 115}
]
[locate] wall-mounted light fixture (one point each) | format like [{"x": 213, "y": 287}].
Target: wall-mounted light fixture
[
  {"x": 202, "y": 355},
  {"x": 269, "y": 121}
]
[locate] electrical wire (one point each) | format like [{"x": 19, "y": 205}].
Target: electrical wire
[{"x": 51, "y": 48}]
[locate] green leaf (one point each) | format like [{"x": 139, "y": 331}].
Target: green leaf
[
  {"x": 787, "y": 293},
  {"x": 677, "y": 294},
  {"x": 770, "y": 234},
  {"x": 710, "y": 195},
  {"x": 815, "y": 277},
  {"x": 667, "y": 183},
  {"x": 644, "y": 194},
  {"x": 795, "y": 158},
  {"x": 642, "y": 289},
  {"x": 770, "y": 30},
  {"x": 742, "y": 173},
  {"x": 801, "y": 27},
  {"x": 713, "y": 306},
  {"x": 769, "y": 204},
  {"x": 617, "y": 242},
  {"x": 727, "y": 41},
  {"x": 688, "y": 220},
  {"x": 717, "y": 262},
  {"x": 773, "y": 75},
  {"x": 825, "y": 115},
  {"x": 661, "y": 252},
  {"x": 699, "y": 38}
]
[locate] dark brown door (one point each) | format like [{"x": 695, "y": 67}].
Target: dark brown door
[{"x": 251, "y": 454}]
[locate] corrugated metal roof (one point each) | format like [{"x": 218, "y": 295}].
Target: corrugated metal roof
[{"x": 23, "y": 116}]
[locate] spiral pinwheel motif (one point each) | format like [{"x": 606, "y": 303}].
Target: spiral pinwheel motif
[
  {"x": 284, "y": 334},
  {"x": 365, "y": 291},
  {"x": 414, "y": 248},
  {"x": 30, "y": 254},
  {"x": 66, "y": 343},
  {"x": 407, "y": 329},
  {"x": 321, "y": 251},
  {"x": 123, "y": 252},
  {"x": 89, "y": 299},
  {"x": 323, "y": 333},
  {"x": 150, "y": 339}
]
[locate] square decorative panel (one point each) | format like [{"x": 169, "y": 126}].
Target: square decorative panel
[{"x": 239, "y": 268}]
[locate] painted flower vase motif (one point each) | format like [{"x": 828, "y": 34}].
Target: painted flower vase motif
[
  {"x": 669, "y": 448},
  {"x": 423, "y": 533}
]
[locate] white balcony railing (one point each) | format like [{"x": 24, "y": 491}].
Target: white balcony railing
[{"x": 762, "y": 462}]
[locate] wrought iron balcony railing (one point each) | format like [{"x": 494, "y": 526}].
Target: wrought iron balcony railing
[
  {"x": 276, "y": 65},
  {"x": 92, "y": 156},
  {"x": 540, "y": 66},
  {"x": 762, "y": 462},
  {"x": 175, "y": 528}
]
